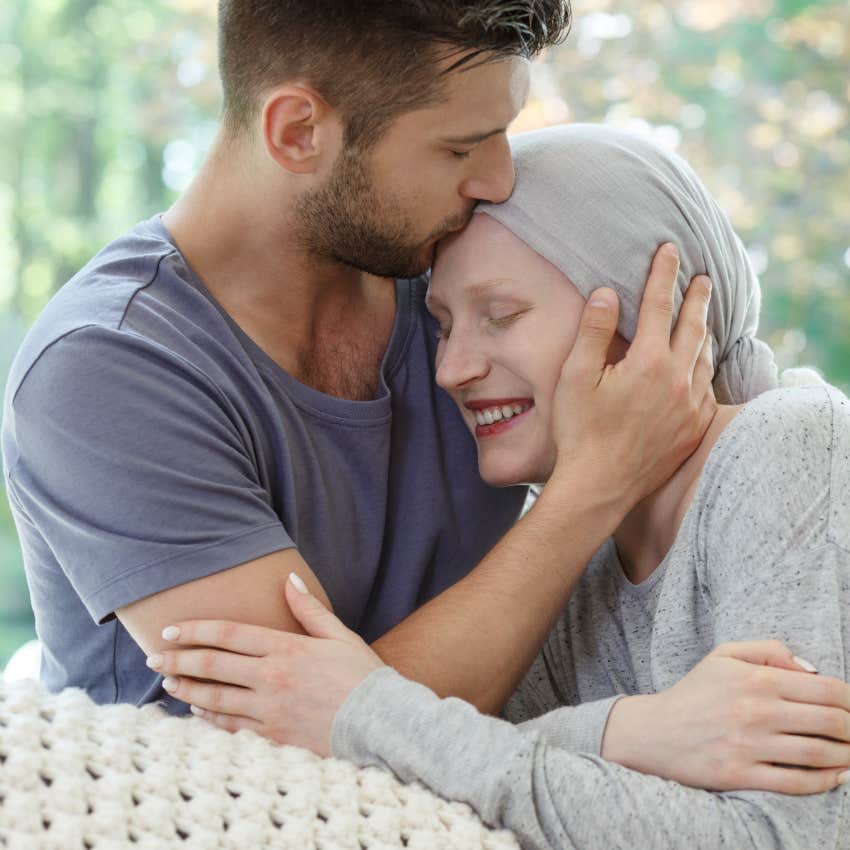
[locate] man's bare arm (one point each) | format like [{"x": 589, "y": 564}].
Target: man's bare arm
[
  {"x": 623, "y": 431},
  {"x": 476, "y": 639}
]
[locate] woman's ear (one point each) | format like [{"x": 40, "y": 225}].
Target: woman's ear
[
  {"x": 301, "y": 131},
  {"x": 617, "y": 350}
]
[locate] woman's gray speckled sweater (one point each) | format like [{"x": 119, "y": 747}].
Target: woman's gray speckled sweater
[{"x": 764, "y": 551}]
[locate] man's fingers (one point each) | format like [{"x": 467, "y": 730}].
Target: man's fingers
[
  {"x": 784, "y": 780},
  {"x": 315, "y": 619},
  {"x": 703, "y": 372},
  {"x": 221, "y": 634},
  {"x": 656, "y": 310},
  {"x": 595, "y": 333},
  {"x": 202, "y": 663},
  {"x": 690, "y": 331}
]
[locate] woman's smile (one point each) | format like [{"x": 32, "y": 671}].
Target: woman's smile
[{"x": 495, "y": 416}]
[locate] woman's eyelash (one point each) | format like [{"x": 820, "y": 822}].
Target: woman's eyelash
[
  {"x": 462, "y": 154},
  {"x": 504, "y": 321}
]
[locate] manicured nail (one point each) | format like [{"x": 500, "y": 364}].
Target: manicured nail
[
  {"x": 170, "y": 684},
  {"x": 806, "y": 665},
  {"x": 844, "y": 778},
  {"x": 154, "y": 661},
  {"x": 670, "y": 249},
  {"x": 299, "y": 584},
  {"x": 170, "y": 633},
  {"x": 198, "y": 712}
]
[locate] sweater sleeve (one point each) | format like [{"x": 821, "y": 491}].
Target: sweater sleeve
[
  {"x": 542, "y": 704},
  {"x": 556, "y": 800}
]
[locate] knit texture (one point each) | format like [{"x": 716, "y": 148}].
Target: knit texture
[{"x": 80, "y": 776}]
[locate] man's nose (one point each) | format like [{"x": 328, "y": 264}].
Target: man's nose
[
  {"x": 459, "y": 364},
  {"x": 493, "y": 179}
]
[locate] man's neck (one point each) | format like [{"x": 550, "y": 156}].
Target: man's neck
[
  {"x": 648, "y": 532},
  {"x": 235, "y": 227}
]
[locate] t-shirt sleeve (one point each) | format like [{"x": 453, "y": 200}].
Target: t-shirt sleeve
[{"x": 136, "y": 471}]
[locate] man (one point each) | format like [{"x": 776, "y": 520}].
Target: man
[{"x": 236, "y": 390}]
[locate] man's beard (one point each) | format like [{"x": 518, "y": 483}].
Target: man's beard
[{"x": 348, "y": 222}]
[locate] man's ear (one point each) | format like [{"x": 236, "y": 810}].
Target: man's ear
[{"x": 301, "y": 131}]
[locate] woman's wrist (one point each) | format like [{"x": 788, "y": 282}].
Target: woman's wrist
[{"x": 626, "y": 734}]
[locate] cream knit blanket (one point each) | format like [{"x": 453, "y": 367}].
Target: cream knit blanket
[{"x": 78, "y": 776}]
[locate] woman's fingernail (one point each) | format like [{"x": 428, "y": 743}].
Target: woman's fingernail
[
  {"x": 198, "y": 712},
  {"x": 844, "y": 778},
  {"x": 170, "y": 684},
  {"x": 170, "y": 633},
  {"x": 299, "y": 584},
  {"x": 670, "y": 249},
  {"x": 806, "y": 665},
  {"x": 154, "y": 661}
]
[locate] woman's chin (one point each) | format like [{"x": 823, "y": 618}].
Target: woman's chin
[
  {"x": 503, "y": 477},
  {"x": 507, "y": 472}
]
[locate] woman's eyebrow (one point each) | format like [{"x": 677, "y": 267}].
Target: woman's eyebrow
[
  {"x": 475, "y": 289},
  {"x": 485, "y": 285}
]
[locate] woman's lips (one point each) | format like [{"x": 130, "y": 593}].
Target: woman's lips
[{"x": 495, "y": 416}]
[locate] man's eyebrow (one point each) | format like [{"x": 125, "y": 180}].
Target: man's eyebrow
[{"x": 474, "y": 138}]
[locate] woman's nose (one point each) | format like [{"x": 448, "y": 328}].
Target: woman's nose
[{"x": 459, "y": 363}]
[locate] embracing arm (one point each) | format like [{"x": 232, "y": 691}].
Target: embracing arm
[
  {"x": 555, "y": 800},
  {"x": 473, "y": 640},
  {"x": 483, "y": 633}
]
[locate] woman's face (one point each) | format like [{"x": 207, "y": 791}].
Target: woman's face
[{"x": 508, "y": 319}]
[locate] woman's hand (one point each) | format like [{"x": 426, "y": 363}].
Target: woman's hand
[
  {"x": 283, "y": 686},
  {"x": 748, "y": 716}
]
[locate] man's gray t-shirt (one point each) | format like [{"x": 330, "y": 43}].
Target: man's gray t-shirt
[{"x": 148, "y": 442}]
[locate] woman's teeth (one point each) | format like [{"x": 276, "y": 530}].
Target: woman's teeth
[{"x": 495, "y": 414}]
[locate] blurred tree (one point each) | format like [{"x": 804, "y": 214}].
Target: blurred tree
[{"x": 106, "y": 109}]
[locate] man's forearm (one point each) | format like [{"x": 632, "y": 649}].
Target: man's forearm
[{"x": 477, "y": 638}]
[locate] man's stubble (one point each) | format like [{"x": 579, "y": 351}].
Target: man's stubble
[{"x": 348, "y": 221}]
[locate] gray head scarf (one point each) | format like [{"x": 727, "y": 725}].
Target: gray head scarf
[{"x": 596, "y": 202}]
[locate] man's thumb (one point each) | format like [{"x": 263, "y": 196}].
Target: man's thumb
[
  {"x": 314, "y": 618},
  {"x": 598, "y": 324}
]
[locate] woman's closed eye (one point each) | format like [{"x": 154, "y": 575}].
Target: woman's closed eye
[{"x": 508, "y": 319}]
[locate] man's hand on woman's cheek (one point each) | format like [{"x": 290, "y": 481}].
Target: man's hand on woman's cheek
[
  {"x": 631, "y": 424},
  {"x": 283, "y": 686}
]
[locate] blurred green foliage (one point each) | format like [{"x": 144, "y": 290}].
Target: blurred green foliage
[{"x": 106, "y": 109}]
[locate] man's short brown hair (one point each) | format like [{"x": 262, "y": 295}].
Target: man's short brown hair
[{"x": 372, "y": 60}]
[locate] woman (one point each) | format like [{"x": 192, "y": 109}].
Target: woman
[{"x": 750, "y": 538}]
